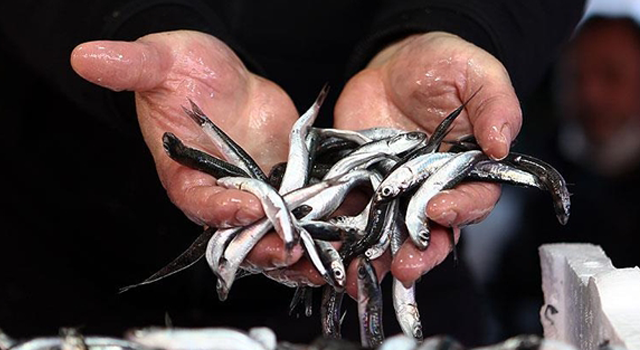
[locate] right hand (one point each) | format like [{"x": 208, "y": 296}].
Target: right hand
[{"x": 166, "y": 70}]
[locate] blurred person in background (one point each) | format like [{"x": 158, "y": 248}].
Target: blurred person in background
[{"x": 596, "y": 90}]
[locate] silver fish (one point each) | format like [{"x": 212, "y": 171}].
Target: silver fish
[
  {"x": 331, "y": 258},
  {"x": 369, "y": 305},
  {"x": 234, "y": 154},
  {"x": 242, "y": 244},
  {"x": 376, "y": 150},
  {"x": 348, "y": 135},
  {"x": 273, "y": 204},
  {"x": 297, "y": 171},
  {"x": 410, "y": 174},
  {"x": 445, "y": 177},
  {"x": 404, "y": 298},
  {"x": 491, "y": 170},
  {"x": 378, "y": 248},
  {"x": 92, "y": 343},
  {"x": 330, "y": 312},
  {"x": 194, "y": 339}
]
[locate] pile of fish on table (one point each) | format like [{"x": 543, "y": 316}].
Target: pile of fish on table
[
  {"x": 260, "y": 338},
  {"x": 403, "y": 170}
]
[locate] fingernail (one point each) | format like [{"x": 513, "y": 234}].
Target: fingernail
[{"x": 505, "y": 130}]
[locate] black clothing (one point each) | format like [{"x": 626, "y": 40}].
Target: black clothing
[{"x": 86, "y": 212}]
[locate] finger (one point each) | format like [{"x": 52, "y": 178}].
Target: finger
[
  {"x": 495, "y": 112},
  {"x": 466, "y": 204},
  {"x": 197, "y": 195},
  {"x": 410, "y": 262},
  {"x": 269, "y": 253},
  {"x": 381, "y": 265},
  {"x": 119, "y": 65}
]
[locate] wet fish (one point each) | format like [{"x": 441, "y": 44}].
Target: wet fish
[
  {"x": 198, "y": 160},
  {"x": 297, "y": 170},
  {"x": 194, "y": 339},
  {"x": 369, "y": 305},
  {"x": 447, "y": 176},
  {"x": 235, "y": 154}
]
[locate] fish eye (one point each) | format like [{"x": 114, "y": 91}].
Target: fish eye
[
  {"x": 386, "y": 191},
  {"x": 413, "y": 136},
  {"x": 362, "y": 273},
  {"x": 338, "y": 273},
  {"x": 417, "y": 331}
]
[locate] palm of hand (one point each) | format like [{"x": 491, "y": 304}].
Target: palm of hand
[{"x": 166, "y": 70}]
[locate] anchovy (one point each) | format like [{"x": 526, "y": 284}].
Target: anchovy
[
  {"x": 242, "y": 244},
  {"x": 344, "y": 135},
  {"x": 445, "y": 177},
  {"x": 325, "y": 231},
  {"x": 189, "y": 257},
  {"x": 379, "y": 247},
  {"x": 326, "y": 202},
  {"x": 404, "y": 299},
  {"x": 369, "y": 305},
  {"x": 332, "y": 259},
  {"x": 493, "y": 171},
  {"x": 92, "y": 343},
  {"x": 198, "y": 160},
  {"x": 330, "y": 309},
  {"x": 218, "y": 244},
  {"x": 297, "y": 171},
  {"x": 377, "y": 150},
  {"x": 408, "y": 175},
  {"x": 273, "y": 204},
  {"x": 313, "y": 254},
  {"x": 355, "y": 161},
  {"x": 373, "y": 232},
  {"x": 379, "y": 133},
  {"x": 192, "y": 339},
  {"x": 550, "y": 177},
  {"x": 229, "y": 148}
]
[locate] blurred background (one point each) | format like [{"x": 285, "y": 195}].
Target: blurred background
[
  {"x": 585, "y": 121},
  {"x": 82, "y": 223}
]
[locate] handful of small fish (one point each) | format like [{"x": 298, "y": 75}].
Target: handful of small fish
[
  {"x": 255, "y": 339},
  {"x": 404, "y": 170}
]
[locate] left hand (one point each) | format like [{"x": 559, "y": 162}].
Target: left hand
[{"x": 412, "y": 85}]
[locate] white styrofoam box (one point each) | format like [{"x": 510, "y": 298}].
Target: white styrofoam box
[{"x": 588, "y": 302}]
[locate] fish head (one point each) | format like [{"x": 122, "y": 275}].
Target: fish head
[
  {"x": 339, "y": 274},
  {"x": 416, "y": 331},
  {"x": 394, "y": 184},
  {"x": 424, "y": 236},
  {"x": 406, "y": 141},
  {"x": 386, "y": 193}
]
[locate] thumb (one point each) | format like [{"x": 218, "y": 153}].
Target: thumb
[
  {"x": 119, "y": 65},
  {"x": 496, "y": 116}
]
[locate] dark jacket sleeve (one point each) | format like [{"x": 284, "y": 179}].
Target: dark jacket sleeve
[
  {"x": 43, "y": 33},
  {"x": 525, "y": 35}
]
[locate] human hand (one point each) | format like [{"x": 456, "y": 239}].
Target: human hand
[
  {"x": 166, "y": 70},
  {"x": 412, "y": 85}
]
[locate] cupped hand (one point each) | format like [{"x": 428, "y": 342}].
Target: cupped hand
[
  {"x": 412, "y": 85},
  {"x": 166, "y": 70}
]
